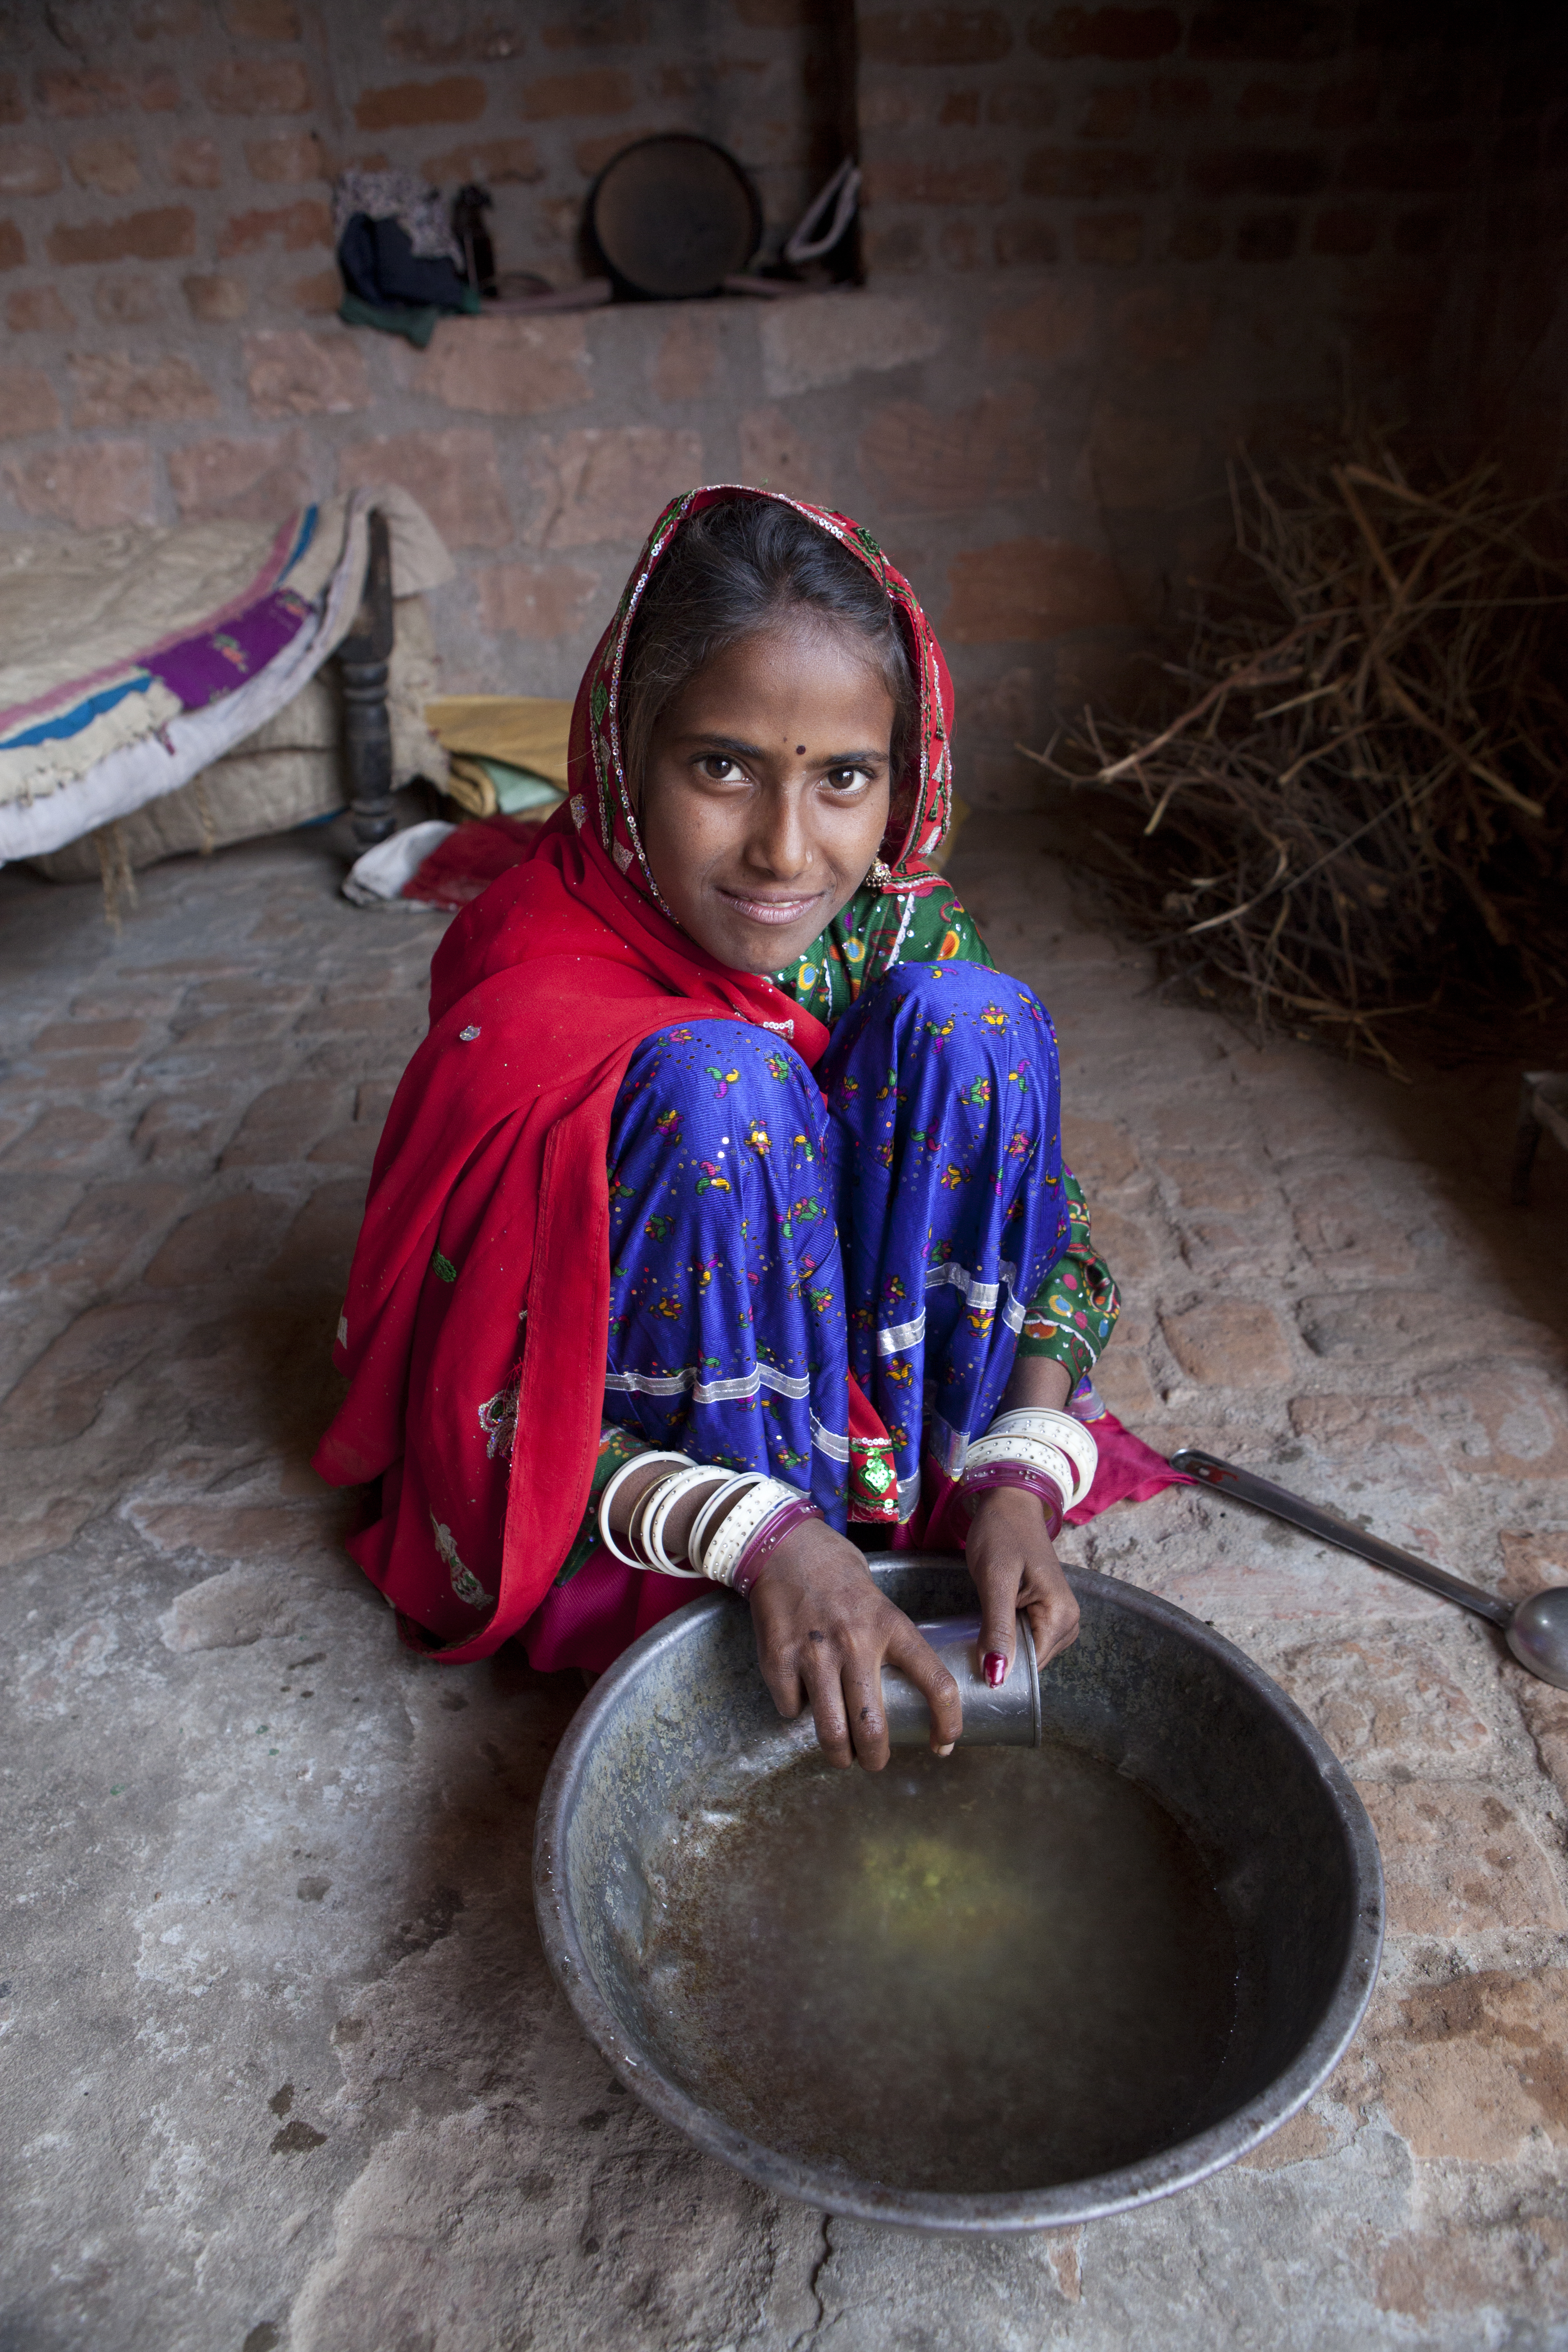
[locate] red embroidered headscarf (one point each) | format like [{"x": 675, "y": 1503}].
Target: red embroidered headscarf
[{"x": 491, "y": 1174}]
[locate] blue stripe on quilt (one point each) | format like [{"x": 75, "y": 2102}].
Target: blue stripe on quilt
[{"x": 81, "y": 714}]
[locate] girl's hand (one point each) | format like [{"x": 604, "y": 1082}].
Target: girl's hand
[
  {"x": 1016, "y": 1572},
  {"x": 823, "y": 1632}
]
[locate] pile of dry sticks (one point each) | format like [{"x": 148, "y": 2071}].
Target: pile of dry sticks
[{"x": 1361, "y": 809}]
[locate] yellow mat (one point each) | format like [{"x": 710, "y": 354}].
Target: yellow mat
[{"x": 526, "y": 731}]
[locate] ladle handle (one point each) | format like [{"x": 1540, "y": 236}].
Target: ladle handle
[{"x": 1247, "y": 1487}]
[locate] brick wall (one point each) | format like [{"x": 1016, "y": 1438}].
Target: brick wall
[{"x": 1103, "y": 245}]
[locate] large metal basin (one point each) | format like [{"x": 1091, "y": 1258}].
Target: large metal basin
[{"x": 1148, "y": 1689}]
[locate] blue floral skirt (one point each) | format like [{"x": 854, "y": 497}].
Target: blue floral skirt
[{"x": 892, "y": 1214}]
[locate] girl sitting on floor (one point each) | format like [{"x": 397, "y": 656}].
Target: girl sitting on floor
[{"x": 724, "y": 1206}]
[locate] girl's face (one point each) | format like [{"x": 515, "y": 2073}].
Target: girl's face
[{"x": 765, "y": 793}]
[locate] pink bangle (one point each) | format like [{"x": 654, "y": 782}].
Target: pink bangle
[
  {"x": 771, "y": 1533},
  {"x": 1034, "y": 1482}
]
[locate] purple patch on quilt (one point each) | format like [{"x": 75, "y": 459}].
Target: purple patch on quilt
[{"x": 199, "y": 669}]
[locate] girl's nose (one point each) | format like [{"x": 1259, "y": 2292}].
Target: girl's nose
[{"x": 780, "y": 840}]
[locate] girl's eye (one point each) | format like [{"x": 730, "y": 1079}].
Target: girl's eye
[
  {"x": 719, "y": 769},
  {"x": 845, "y": 780}
]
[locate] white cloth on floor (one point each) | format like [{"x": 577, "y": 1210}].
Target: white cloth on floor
[{"x": 379, "y": 875}]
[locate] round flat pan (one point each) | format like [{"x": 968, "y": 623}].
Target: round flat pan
[{"x": 675, "y": 215}]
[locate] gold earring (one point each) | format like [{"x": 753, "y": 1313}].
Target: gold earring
[{"x": 880, "y": 877}]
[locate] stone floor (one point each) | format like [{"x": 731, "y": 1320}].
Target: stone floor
[{"x": 282, "y": 2064}]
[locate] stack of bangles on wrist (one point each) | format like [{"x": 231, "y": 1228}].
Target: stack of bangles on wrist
[
  {"x": 1048, "y": 1454},
  {"x": 742, "y": 1519}
]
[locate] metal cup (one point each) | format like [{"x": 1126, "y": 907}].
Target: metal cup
[{"x": 1009, "y": 1716}]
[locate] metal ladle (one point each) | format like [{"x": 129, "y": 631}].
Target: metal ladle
[{"x": 1536, "y": 1629}]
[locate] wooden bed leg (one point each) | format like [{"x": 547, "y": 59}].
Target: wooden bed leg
[{"x": 367, "y": 731}]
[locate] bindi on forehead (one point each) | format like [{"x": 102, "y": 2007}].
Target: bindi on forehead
[{"x": 800, "y": 751}]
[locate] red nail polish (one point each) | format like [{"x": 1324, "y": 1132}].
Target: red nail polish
[{"x": 995, "y": 1669}]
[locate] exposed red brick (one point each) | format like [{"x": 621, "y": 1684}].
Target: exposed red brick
[
  {"x": 160, "y": 236},
  {"x": 1023, "y": 105},
  {"x": 36, "y": 309},
  {"x": 1031, "y": 589},
  {"x": 194, "y": 164},
  {"x": 13, "y": 252},
  {"x": 1141, "y": 462},
  {"x": 1090, "y": 172},
  {"x": 915, "y": 180},
  {"x": 959, "y": 106},
  {"x": 112, "y": 388},
  {"x": 292, "y": 157},
  {"x": 1258, "y": 30},
  {"x": 1257, "y": 172},
  {"x": 686, "y": 357},
  {"x": 902, "y": 246},
  {"x": 131, "y": 299},
  {"x": 935, "y": 37},
  {"x": 1026, "y": 241},
  {"x": 597, "y": 90},
  {"x": 1344, "y": 229},
  {"x": 608, "y": 483},
  {"x": 507, "y": 367},
  {"x": 1196, "y": 236},
  {"x": 1109, "y": 113},
  {"x": 919, "y": 461},
  {"x": 27, "y": 403},
  {"x": 1126, "y": 33},
  {"x": 76, "y": 91},
  {"x": 1229, "y": 1343},
  {"x": 258, "y": 85},
  {"x": 453, "y": 37},
  {"x": 292, "y": 373},
  {"x": 109, "y": 166},
  {"x": 89, "y": 485},
  {"x": 775, "y": 455},
  {"x": 1440, "y": 164},
  {"x": 501, "y": 162},
  {"x": 1110, "y": 240},
  {"x": 1055, "y": 325},
  {"x": 217, "y": 298},
  {"x": 319, "y": 294},
  {"x": 292, "y": 227},
  {"x": 536, "y": 600},
  {"x": 1178, "y": 98},
  {"x": 459, "y": 98},
  {"x": 590, "y": 155},
  {"x": 258, "y": 481},
  {"x": 159, "y": 92},
  {"x": 609, "y": 27},
  {"x": 27, "y": 171},
  {"x": 453, "y": 474},
  {"x": 11, "y": 106},
  {"x": 1346, "y": 105},
  {"x": 1268, "y": 237},
  {"x": 1160, "y": 326},
  {"x": 261, "y": 20}
]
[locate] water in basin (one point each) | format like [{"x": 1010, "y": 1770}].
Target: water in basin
[{"x": 994, "y": 1972}]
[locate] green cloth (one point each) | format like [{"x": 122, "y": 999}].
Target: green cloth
[
  {"x": 415, "y": 321},
  {"x": 518, "y": 789}
]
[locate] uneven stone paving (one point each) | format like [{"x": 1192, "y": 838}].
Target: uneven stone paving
[{"x": 283, "y": 2063}]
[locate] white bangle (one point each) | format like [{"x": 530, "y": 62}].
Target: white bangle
[
  {"x": 723, "y": 1551},
  {"x": 1029, "y": 1453},
  {"x": 1051, "y": 1427},
  {"x": 735, "y": 1485},
  {"x": 612, "y": 1484},
  {"x": 652, "y": 1516}
]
